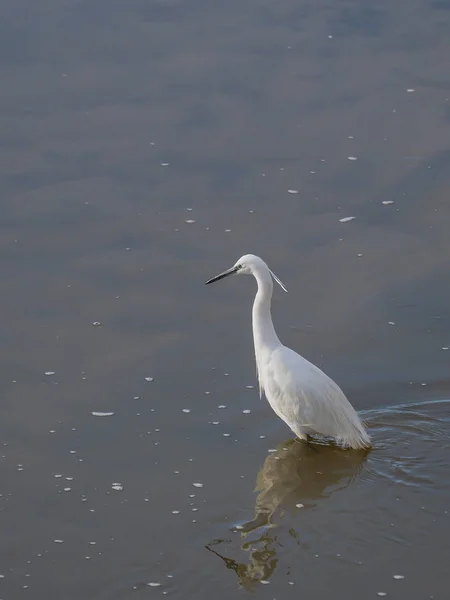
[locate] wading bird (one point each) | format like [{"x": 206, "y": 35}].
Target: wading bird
[{"x": 300, "y": 393}]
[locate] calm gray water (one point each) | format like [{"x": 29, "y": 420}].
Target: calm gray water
[{"x": 145, "y": 145}]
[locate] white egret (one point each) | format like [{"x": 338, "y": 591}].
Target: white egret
[{"x": 300, "y": 393}]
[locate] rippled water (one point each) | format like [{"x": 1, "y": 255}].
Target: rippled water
[
  {"x": 145, "y": 146},
  {"x": 347, "y": 509}
]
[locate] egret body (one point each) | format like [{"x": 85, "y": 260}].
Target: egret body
[{"x": 300, "y": 393}]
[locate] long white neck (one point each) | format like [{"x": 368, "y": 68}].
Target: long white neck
[{"x": 264, "y": 335}]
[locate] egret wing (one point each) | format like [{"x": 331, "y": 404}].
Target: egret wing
[{"x": 308, "y": 399}]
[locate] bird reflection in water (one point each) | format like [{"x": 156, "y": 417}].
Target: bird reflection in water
[{"x": 295, "y": 475}]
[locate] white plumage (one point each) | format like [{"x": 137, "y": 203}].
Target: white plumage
[{"x": 302, "y": 395}]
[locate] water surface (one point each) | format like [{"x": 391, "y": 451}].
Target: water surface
[{"x": 145, "y": 146}]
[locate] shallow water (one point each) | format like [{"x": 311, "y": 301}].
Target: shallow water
[{"x": 145, "y": 146}]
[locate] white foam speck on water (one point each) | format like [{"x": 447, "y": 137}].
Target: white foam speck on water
[
  {"x": 58, "y": 475},
  {"x": 250, "y": 387},
  {"x": 352, "y": 157},
  {"x": 68, "y": 489},
  {"x": 186, "y": 410},
  {"x": 381, "y": 594},
  {"x": 48, "y": 373},
  {"x": 387, "y": 202},
  {"x": 149, "y": 379},
  {"x": 299, "y": 505},
  {"x": 118, "y": 487},
  {"x": 445, "y": 348},
  {"x": 175, "y": 512},
  {"x": 153, "y": 584},
  {"x": 226, "y": 434},
  {"x": 198, "y": 485},
  {"x": 410, "y": 90},
  {"x": 164, "y": 164},
  {"x": 189, "y": 221},
  {"x": 96, "y": 323},
  {"x": 227, "y": 230},
  {"x": 346, "y": 219},
  {"x": 221, "y": 406},
  {"x": 264, "y": 581},
  {"x": 391, "y": 322},
  {"x": 292, "y": 191},
  {"x": 399, "y": 576},
  {"x": 215, "y": 422},
  {"x": 58, "y": 541},
  {"x": 246, "y": 411},
  {"x": 102, "y": 414}
]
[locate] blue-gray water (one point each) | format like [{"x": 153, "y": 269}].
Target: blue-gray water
[{"x": 145, "y": 145}]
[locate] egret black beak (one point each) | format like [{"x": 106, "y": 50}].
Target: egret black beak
[{"x": 222, "y": 275}]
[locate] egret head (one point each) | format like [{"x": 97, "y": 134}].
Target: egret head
[{"x": 249, "y": 264}]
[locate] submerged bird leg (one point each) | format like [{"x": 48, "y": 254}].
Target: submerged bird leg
[
  {"x": 300, "y": 439},
  {"x": 310, "y": 442}
]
